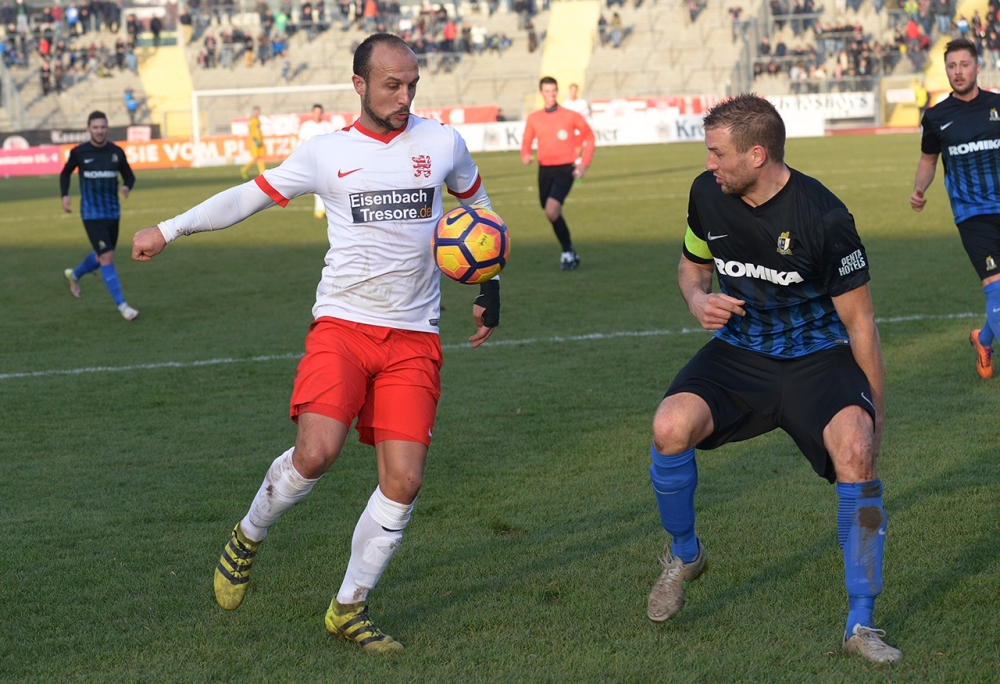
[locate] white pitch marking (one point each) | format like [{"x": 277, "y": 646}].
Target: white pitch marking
[{"x": 499, "y": 343}]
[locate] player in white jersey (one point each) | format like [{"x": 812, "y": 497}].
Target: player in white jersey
[
  {"x": 309, "y": 129},
  {"x": 373, "y": 352},
  {"x": 576, "y": 103}
]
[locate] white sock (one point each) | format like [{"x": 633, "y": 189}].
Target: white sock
[
  {"x": 377, "y": 535},
  {"x": 282, "y": 487}
]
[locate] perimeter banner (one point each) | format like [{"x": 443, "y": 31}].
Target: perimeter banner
[{"x": 31, "y": 161}]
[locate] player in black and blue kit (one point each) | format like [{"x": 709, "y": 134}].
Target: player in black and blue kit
[
  {"x": 796, "y": 347},
  {"x": 964, "y": 130},
  {"x": 100, "y": 162}
]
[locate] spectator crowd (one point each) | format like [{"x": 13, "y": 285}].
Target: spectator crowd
[
  {"x": 436, "y": 37},
  {"x": 68, "y": 43}
]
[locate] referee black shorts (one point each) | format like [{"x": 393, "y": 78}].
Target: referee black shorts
[
  {"x": 750, "y": 393},
  {"x": 554, "y": 182},
  {"x": 103, "y": 234},
  {"x": 981, "y": 239}
]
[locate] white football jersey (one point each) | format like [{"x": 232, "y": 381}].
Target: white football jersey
[
  {"x": 310, "y": 129},
  {"x": 383, "y": 198}
]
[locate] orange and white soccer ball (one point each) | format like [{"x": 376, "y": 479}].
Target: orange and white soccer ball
[{"x": 471, "y": 244}]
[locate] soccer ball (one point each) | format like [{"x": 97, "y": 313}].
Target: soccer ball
[{"x": 470, "y": 244}]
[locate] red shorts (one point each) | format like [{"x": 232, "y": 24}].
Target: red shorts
[{"x": 389, "y": 379}]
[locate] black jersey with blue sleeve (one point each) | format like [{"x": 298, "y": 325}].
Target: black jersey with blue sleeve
[
  {"x": 967, "y": 136},
  {"x": 99, "y": 170},
  {"x": 786, "y": 258}
]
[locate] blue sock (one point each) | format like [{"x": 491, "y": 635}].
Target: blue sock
[
  {"x": 986, "y": 335},
  {"x": 861, "y": 525},
  {"x": 992, "y": 313},
  {"x": 110, "y": 276},
  {"x": 88, "y": 265},
  {"x": 675, "y": 478}
]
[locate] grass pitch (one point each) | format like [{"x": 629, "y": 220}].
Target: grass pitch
[{"x": 130, "y": 449}]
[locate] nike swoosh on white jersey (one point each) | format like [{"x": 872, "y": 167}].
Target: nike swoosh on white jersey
[
  {"x": 716, "y": 237},
  {"x": 944, "y": 126}
]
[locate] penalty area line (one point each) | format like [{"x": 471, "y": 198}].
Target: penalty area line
[{"x": 557, "y": 339}]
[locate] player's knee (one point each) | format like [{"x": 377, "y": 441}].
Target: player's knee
[
  {"x": 402, "y": 487},
  {"x": 312, "y": 459},
  {"x": 553, "y": 214},
  {"x": 670, "y": 436},
  {"x": 850, "y": 443}
]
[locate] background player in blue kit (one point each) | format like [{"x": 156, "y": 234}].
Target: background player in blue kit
[
  {"x": 100, "y": 162},
  {"x": 964, "y": 130},
  {"x": 796, "y": 347}
]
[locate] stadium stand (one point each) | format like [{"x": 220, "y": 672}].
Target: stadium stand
[
  {"x": 483, "y": 52},
  {"x": 59, "y": 75}
]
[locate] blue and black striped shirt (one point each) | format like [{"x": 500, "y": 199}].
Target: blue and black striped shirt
[
  {"x": 967, "y": 136},
  {"x": 786, "y": 258},
  {"x": 99, "y": 169}
]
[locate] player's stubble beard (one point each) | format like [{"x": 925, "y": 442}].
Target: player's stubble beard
[
  {"x": 969, "y": 87},
  {"x": 740, "y": 184},
  {"x": 384, "y": 123}
]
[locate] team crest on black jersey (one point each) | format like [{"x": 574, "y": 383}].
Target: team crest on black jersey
[
  {"x": 990, "y": 263},
  {"x": 785, "y": 244},
  {"x": 993, "y": 115},
  {"x": 114, "y": 155}
]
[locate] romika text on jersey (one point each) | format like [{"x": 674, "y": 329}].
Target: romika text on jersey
[
  {"x": 739, "y": 269},
  {"x": 100, "y": 174},
  {"x": 976, "y": 146}
]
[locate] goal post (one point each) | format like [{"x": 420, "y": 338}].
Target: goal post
[{"x": 230, "y": 103}]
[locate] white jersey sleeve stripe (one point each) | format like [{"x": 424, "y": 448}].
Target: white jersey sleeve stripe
[{"x": 269, "y": 190}]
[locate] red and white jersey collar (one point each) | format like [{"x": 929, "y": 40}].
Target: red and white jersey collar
[{"x": 387, "y": 138}]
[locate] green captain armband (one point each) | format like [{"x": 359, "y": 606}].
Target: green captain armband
[{"x": 696, "y": 246}]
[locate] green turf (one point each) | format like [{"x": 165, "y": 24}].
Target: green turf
[{"x": 534, "y": 541}]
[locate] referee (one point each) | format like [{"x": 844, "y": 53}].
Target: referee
[
  {"x": 964, "y": 130},
  {"x": 795, "y": 347},
  {"x": 100, "y": 162},
  {"x": 565, "y": 150}
]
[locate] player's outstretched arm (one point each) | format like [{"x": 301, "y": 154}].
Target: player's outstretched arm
[
  {"x": 486, "y": 311},
  {"x": 926, "y": 168},
  {"x": 712, "y": 309},
  {"x": 147, "y": 243},
  {"x": 858, "y": 315}
]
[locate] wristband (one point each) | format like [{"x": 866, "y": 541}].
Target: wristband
[{"x": 489, "y": 299}]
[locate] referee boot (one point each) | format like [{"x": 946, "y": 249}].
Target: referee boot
[
  {"x": 232, "y": 573},
  {"x": 984, "y": 355},
  {"x": 569, "y": 260},
  {"x": 667, "y": 596}
]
